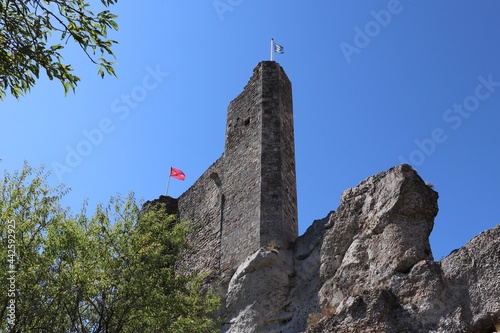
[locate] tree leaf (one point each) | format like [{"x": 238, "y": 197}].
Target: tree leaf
[{"x": 26, "y": 28}]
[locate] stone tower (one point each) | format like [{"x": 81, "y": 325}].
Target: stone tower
[
  {"x": 259, "y": 184},
  {"x": 247, "y": 198}
]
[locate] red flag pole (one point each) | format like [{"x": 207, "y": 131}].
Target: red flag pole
[{"x": 168, "y": 184}]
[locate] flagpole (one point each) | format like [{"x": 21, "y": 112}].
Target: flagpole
[
  {"x": 168, "y": 184},
  {"x": 272, "y": 49}
]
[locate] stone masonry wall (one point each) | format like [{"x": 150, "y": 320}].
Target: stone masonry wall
[
  {"x": 242, "y": 175},
  {"x": 259, "y": 167},
  {"x": 278, "y": 188},
  {"x": 201, "y": 206}
]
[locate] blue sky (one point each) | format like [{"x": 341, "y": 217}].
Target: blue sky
[{"x": 375, "y": 84}]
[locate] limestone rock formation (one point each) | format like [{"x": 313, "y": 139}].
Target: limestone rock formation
[
  {"x": 258, "y": 292},
  {"x": 368, "y": 267}
]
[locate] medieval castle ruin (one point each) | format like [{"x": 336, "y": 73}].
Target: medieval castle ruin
[
  {"x": 248, "y": 198},
  {"x": 367, "y": 267}
]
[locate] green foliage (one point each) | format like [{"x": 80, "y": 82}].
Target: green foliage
[
  {"x": 33, "y": 34},
  {"x": 111, "y": 272}
]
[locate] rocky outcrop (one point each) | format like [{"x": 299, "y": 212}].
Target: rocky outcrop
[
  {"x": 368, "y": 267},
  {"x": 461, "y": 293},
  {"x": 258, "y": 292}
]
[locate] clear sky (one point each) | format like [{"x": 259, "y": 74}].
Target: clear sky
[{"x": 375, "y": 84}]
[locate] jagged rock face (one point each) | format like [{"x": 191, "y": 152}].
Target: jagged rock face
[
  {"x": 258, "y": 293},
  {"x": 368, "y": 267},
  {"x": 381, "y": 229},
  {"x": 382, "y": 226},
  {"x": 461, "y": 293},
  {"x": 471, "y": 279},
  {"x": 378, "y": 273}
]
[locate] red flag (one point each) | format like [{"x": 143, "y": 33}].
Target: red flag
[{"x": 176, "y": 173}]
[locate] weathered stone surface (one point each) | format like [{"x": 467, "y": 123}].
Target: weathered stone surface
[
  {"x": 258, "y": 293},
  {"x": 305, "y": 244},
  {"x": 291, "y": 296},
  {"x": 380, "y": 228},
  {"x": 377, "y": 270},
  {"x": 305, "y": 283},
  {"x": 201, "y": 205},
  {"x": 459, "y": 294},
  {"x": 472, "y": 279},
  {"x": 259, "y": 185}
]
